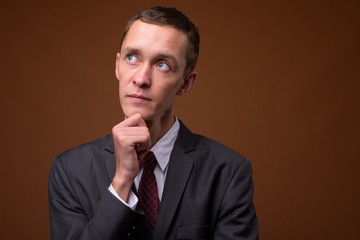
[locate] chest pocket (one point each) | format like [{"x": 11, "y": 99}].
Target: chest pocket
[{"x": 193, "y": 232}]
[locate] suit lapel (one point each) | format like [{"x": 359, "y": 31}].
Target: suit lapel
[
  {"x": 110, "y": 161},
  {"x": 180, "y": 167}
]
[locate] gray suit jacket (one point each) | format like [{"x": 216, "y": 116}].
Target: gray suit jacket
[{"x": 207, "y": 194}]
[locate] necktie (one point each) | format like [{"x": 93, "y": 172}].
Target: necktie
[{"x": 148, "y": 193}]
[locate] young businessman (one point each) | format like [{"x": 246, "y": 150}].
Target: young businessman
[{"x": 196, "y": 188}]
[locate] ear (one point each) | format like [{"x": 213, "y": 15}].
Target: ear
[
  {"x": 117, "y": 62},
  {"x": 187, "y": 84}
]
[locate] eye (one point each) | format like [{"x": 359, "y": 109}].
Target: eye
[
  {"x": 163, "y": 66},
  {"x": 131, "y": 58}
]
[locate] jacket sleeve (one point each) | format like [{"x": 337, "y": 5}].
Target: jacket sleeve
[
  {"x": 111, "y": 219},
  {"x": 237, "y": 218}
]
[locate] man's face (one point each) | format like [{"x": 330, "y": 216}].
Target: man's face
[{"x": 150, "y": 69}]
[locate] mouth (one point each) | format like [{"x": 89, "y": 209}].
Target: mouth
[{"x": 137, "y": 97}]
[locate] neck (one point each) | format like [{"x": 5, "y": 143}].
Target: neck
[{"x": 159, "y": 127}]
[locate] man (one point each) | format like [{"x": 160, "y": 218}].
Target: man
[{"x": 197, "y": 188}]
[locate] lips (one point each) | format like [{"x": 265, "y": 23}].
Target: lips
[{"x": 138, "y": 97}]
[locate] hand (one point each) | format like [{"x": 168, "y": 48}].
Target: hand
[{"x": 132, "y": 142}]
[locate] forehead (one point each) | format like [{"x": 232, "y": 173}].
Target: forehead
[{"x": 151, "y": 38}]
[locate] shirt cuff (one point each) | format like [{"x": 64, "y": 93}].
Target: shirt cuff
[{"x": 132, "y": 199}]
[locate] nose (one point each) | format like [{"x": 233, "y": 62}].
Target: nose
[{"x": 142, "y": 77}]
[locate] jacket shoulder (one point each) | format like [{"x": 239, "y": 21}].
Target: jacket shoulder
[
  {"x": 216, "y": 149},
  {"x": 204, "y": 149},
  {"x": 86, "y": 154}
]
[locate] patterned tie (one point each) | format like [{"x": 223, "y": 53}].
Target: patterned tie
[{"x": 148, "y": 193}]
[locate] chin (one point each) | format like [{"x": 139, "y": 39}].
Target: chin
[{"x": 144, "y": 113}]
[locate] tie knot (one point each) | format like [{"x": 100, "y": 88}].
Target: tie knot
[{"x": 149, "y": 162}]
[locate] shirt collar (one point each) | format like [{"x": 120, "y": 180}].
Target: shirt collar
[{"x": 163, "y": 148}]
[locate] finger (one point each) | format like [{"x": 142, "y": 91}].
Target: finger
[
  {"x": 140, "y": 122},
  {"x": 133, "y": 121},
  {"x": 132, "y": 135}
]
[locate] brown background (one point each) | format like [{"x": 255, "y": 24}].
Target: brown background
[{"x": 278, "y": 82}]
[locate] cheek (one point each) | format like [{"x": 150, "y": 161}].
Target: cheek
[
  {"x": 168, "y": 94},
  {"x": 124, "y": 79},
  {"x": 125, "y": 73},
  {"x": 121, "y": 87}
]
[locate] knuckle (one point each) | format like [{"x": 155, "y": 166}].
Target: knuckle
[{"x": 114, "y": 130}]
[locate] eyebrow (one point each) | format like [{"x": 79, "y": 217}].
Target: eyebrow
[
  {"x": 168, "y": 56},
  {"x": 129, "y": 49}
]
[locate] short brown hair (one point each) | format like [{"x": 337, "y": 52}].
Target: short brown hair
[{"x": 170, "y": 16}]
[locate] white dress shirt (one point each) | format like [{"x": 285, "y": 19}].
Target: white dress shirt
[{"x": 162, "y": 151}]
